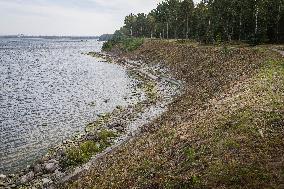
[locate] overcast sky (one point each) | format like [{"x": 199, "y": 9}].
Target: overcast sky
[{"x": 67, "y": 17}]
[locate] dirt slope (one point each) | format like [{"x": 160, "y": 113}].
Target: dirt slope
[{"x": 225, "y": 131}]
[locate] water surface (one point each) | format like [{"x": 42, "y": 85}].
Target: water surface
[{"x": 50, "y": 90}]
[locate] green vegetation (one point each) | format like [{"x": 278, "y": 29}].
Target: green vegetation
[
  {"x": 105, "y": 136},
  {"x": 224, "y": 131},
  {"x": 210, "y": 21},
  {"x": 150, "y": 90},
  {"x": 107, "y": 46},
  {"x": 190, "y": 154},
  {"x": 103, "y": 119},
  {"x": 248, "y": 136},
  {"x": 83, "y": 153},
  {"x": 131, "y": 44},
  {"x": 119, "y": 40},
  {"x": 77, "y": 155},
  {"x": 105, "y": 37},
  {"x": 236, "y": 175}
]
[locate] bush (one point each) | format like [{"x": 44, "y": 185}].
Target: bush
[
  {"x": 82, "y": 154},
  {"x": 131, "y": 44},
  {"x": 123, "y": 42},
  {"x": 126, "y": 44},
  {"x": 78, "y": 155},
  {"x": 107, "y": 46}
]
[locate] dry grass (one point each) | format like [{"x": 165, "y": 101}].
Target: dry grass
[{"x": 225, "y": 131}]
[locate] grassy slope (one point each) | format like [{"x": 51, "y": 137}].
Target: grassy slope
[{"x": 225, "y": 131}]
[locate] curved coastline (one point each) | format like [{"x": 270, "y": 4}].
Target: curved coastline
[
  {"x": 210, "y": 129},
  {"x": 107, "y": 133},
  {"x": 220, "y": 86}
]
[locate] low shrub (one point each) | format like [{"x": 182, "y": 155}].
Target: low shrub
[
  {"x": 125, "y": 43},
  {"x": 82, "y": 154}
]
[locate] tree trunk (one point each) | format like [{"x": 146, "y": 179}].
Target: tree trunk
[
  {"x": 167, "y": 30},
  {"x": 176, "y": 28},
  {"x": 131, "y": 31},
  {"x": 209, "y": 35},
  {"x": 240, "y": 27},
  {"x": 227, "y": 30},
  {"x": 278, "y": 20},
  {"x": 187, "y": 28},
  {"x": 256, "y": 19}
]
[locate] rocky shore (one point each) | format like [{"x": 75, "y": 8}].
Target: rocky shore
[
  {"x": 225, "y": 130},
  {"x": 219, "y": 124},
  {"x": 154, "y": 90}
]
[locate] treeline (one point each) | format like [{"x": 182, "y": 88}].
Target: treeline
[
  {"x": 210, "y": 21},
  {"x": 105, "y": 37}
]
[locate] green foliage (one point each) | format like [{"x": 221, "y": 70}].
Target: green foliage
[
  {"x": 117, "y": 37},
  {"x": 105, "y": 37},
  {"x": 211, "y": 21},
  {"x": 105, "y": 135},
  {"x": 231, "y": 144},
  {"x": 150, "y": 90},
  {"x": 77, "y": 155},
  {"x": 190, "y": 154},
  {"x": 225, "y": 50},
  {"x": 81, "y": 154},
  {"x": 218, "y": 39},
  {"x": 236, "y": 174},
  {"x": 107, "y": 46},
  {"x": 193, "y": 182},
  {"x": 131, "y": 44},
  {"x": 127, "y": 44}
]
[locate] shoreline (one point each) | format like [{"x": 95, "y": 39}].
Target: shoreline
[
  {"x": 209, "y": 135},
  {"x": 106, "y": 134},
  {"x": 200, "y": 131}
]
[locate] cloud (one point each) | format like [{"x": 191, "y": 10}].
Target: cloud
[{"x": 67, "y": 17}]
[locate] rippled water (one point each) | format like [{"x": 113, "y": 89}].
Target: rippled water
[{"x": 45, "y": 94}]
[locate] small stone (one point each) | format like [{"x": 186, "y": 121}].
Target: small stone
[
  {"x": 130, "y": 134},
  {"x": 53, "y": 161},
  {"x": 91, "y": 136},
  {"x": 114, "y": 125},
  {"x": 13, "y": 186},
  {"x": 50, "y": 167},
  {"x": 58, "y": 174},
  {"x": 98, "y": 145},
  {"x": 120, "y": 129},
  {"x": 28, "y": 177},
  {"x": 37, "y": 168},
  {"x": 261, "y": 133},
  {"x": 46, "y": 181},
  {"x": 2, "y": 184},
  {"x": 60, "y": 153},
  {"x": 11, "y": 175},
  {"x": 3, "y": 176}
]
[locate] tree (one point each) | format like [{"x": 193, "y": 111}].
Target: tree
[
  {"x": 130, "y": 23},
  {"x": 211, "y": 20},
  {"x": 186, "y": 14},
  {"x": 151, "y": 23}
]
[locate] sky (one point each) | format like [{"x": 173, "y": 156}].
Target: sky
[{"x": 68, "y": 17}]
